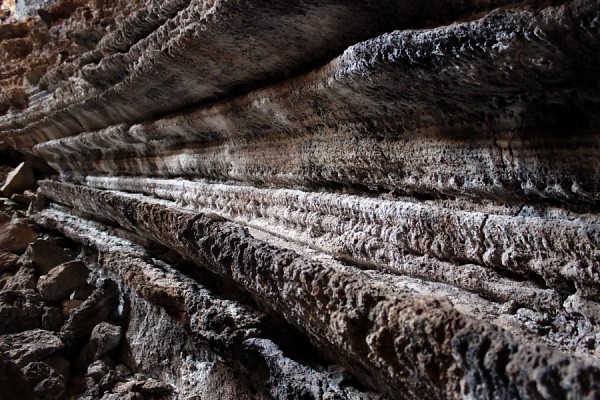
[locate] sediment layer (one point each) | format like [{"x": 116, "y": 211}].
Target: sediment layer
[{"x": 334, "y": 200}]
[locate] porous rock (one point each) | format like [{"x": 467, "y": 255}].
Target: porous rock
[{"x": 350, "y": 200}]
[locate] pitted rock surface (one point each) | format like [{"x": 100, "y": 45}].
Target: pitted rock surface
[{"x": 243, "y": 199}]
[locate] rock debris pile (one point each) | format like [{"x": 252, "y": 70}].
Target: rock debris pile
[{"x": 235, "y": 199}]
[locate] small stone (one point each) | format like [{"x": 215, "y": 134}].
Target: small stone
[
  {"x": 97, "y": 370},
  {"x": 128, "y": 387},
  {"x": 29, "y": 346},
  {"x": 109, "y": 381},
  {"x": 52, "y": 319},
  {"x": 20, "y": 179},
  {"x": 47, "y": 383},
  {"x": 15, "y": 235},
  {"x": 20, "y": 310},
  {"x": 97, "y": 308},
  {"x": 21, "y": 199},
  {"x": 122, "y": 370},
  {"x": 7, "y": 261},
  {"x": 47, "y": 254},
  {"x": 62, "y": 280},
  {"x": 70, "y": 305},
  {"x": 156, "y": 388},
  {"x": 106, "y": 337}
]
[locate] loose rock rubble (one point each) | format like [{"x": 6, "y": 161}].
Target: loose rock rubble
[{"x": 59, "y": 336}]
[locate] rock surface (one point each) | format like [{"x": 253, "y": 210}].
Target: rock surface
[
  {"x": 301, "y": 200},
  {"x": 29, "y": 346},
  {"x": 15, "y": 235},
  {"x": 18, "y": 180},
  {"x": 61, "y": 281},
  {"x": 47, "y": 254}
]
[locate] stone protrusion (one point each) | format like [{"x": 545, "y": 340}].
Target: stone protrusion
[{"x": 61, "y": 281}]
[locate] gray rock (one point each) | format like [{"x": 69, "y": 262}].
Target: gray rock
[
  {"x": 29, "y": 346},
  {"x": 20, "y": 179},
  {"x": 61, "y": 281},
  {"x": 154, "y": 387},
  {"x": 20, "y": 310},
  {"x": 105, "y": 338},
  {"x": 47, "y": 383},
  {"x": 97, "y": 370},
  {"x": 97, "y": 308}
]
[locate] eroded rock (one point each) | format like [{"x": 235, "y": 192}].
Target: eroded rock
[
  {"x": 30, "y": 346},
  {"x": 47, "y": 254},
  {"x": 20, "y": 179},
  {"x": 7, "y": 261},
  {"x": 97, "y": 308},
  {"x": 20, "y": 311},
  {"x": 13, "y": 385},
  {"x": 47, "y": 383},
  {"x": 61, "y": 281},
  {"x": 15, "y": 235}
]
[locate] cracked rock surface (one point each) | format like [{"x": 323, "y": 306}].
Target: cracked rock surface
[{"x": 227, "y": 199}]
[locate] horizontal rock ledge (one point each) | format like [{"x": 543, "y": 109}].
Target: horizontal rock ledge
[{"x": 365, "y": 324}]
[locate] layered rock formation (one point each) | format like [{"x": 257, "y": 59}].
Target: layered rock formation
[{"x": 308, "y": 199}]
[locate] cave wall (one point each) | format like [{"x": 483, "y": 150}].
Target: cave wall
[{"x": 335, "y": 199}]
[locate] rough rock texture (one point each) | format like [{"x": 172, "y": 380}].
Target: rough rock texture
[
  {"x": 304, "y": 200},
  {"x": 15, "y": 235},
  {"x": 62, "y": 280},
  {"x": 47, "y": 254},
  {"x": 29, "y": 346},
  {"x": 18, "y": 180}
]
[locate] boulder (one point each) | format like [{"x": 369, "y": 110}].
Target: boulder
[
  {"x": 47, "y": 383},
  {"x": 17, "y": 181},
  {"x": 13, "y": 385},
  {"x": 15, "y": 235},
  {"x": 97, "y": 370},
  {"x": 61, "y": 281},
  {"x": 29, "y": 346},
  {"x": 20, "y": 310},
  {"x": 47, "y": 254},
  {"x": 22, "y": 279},
  {"x": 105, "y": 338},
  {"x": 7, "y": 260},
  {"x": 97, "y": 308}
]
